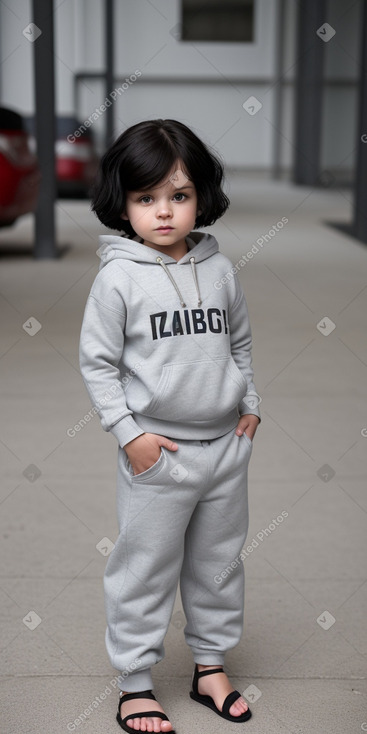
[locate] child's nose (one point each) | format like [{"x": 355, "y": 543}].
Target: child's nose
[{"x": 164, "y": 209}]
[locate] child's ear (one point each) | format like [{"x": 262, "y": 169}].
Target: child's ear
[{"x": 123, "y": 216}]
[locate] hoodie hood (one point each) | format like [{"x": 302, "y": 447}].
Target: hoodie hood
[{"x": 201, "y": 246}]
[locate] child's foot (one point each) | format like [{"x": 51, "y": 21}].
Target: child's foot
[
  {"x": 144, "y": 723},
  {"x": 218, "y": 687}
]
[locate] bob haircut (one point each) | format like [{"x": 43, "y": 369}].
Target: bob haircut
[{"x": 142, "y": 157}]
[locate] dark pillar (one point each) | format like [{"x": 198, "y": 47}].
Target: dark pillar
[
  {"x": 278, "y": 89},
  {"x": 360, "y": 203},
  {"x": 109, "y": 69},
  {"x": 308, "y": 92},
  {"x": 45, "y": 246}
]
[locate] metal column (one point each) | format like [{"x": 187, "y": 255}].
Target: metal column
[
  {"x": 278, "y": 89},
  {"x": 308, "y": 92},
  {"x": 45, "y": 246},
  {"x": 109, "y": 54},
  {"x": 360, "y": 204}
]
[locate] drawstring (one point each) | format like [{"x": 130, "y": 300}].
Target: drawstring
[
  {"x": 160, "y": 261},
  {"x": 192, "y": 261}
]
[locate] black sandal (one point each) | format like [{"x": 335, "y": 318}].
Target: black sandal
[
  {"x": 141, "y": 694},
  {"x": 208, "y": 700}
]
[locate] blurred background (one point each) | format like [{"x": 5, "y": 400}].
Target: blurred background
[
  {"x": 279, "y": 89},
  {"x": 201, "y": 61}
]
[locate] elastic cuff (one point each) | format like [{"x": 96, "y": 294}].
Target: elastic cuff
[
  {"x": 141, "y": 680},
  {"x": 208, "y": 658},
  {"x": 244, "y": 409},
  {"x": 126, "y": 430}
]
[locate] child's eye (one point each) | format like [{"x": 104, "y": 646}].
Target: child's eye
[
  {"x": 143, "y": 199},
  {"x": 183, "y": 196}
]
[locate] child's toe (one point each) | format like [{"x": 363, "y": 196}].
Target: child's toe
[
  {"x": 238, "y": 707},
  {"x": 166, "y": 726}
]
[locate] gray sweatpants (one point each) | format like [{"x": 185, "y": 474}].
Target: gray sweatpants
[{"x": 185, "y": 518}]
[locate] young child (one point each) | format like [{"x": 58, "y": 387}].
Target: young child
[{"x": 165, "y": 353}]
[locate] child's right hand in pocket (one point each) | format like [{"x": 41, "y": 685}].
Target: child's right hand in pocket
[{"x": 144, "y": 450}]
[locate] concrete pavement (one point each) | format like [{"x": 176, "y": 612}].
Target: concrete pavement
[{"x": 302, "y": 659}]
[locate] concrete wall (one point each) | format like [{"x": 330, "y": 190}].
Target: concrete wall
[{"x": 202, "y": 84}]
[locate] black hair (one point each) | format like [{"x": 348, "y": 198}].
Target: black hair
[{"x": 142, "y": 156}]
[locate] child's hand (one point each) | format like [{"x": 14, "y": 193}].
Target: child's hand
[
  {"x": 144, "y": 450},
  {"x": 247, "y": 424}
]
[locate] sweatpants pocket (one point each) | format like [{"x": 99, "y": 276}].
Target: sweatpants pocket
[
  {"x": 248, "y": 439},
  {"x": 150, "y": 472}
]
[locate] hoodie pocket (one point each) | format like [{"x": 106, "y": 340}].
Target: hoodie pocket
[{"x": 197, "y": 391}]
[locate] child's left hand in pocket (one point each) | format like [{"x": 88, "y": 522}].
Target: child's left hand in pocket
[{"x": 247, "y": 424}]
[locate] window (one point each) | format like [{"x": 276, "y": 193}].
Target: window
[{"x": 217, "y": 20}]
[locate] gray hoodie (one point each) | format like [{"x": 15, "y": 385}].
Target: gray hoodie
[{"x": 165, "y": 345}]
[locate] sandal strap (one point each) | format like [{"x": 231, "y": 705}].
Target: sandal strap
[
  {"x": 138, "y": 694},
  {"x": 209, "y": 672},
  {"x": 141, "y": 714},
  {"x": 229, "y": 700}
]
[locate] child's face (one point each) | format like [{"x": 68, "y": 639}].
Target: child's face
[{"x": 163, "y": 216}]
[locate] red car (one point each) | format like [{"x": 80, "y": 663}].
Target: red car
[
  {"x": 19, "y": 171},
  {"x": 76, "y": 159}
]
